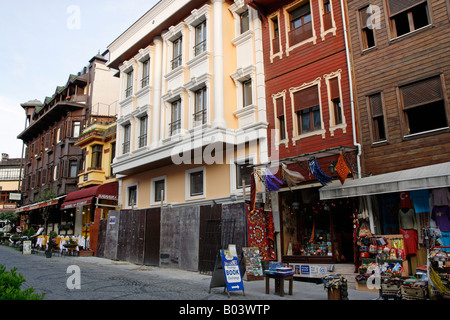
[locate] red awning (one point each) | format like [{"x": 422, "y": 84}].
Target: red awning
[
  {"x": 108, "y": 191},
  {"x": 77, "y": 203}
]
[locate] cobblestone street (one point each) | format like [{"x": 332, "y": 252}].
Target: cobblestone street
[{"x": 103, "y": 279}]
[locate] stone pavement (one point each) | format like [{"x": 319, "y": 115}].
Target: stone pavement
[
  {"x": 104, "y": 279},
  {"x": 255, "y": 289}
]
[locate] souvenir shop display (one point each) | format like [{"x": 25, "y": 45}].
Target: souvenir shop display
[
  {"x": 438, "y": 272},
  {"x": 336, "y": 285}
]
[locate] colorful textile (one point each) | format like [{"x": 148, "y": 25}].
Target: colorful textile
[
  {"x": 445, "y": 241},
  {"x": 272, "y": 183},
  {"x": 405, "y": 200},
  {"x": 410, "y": 241},
  {"x": 440, "y": 197},
  {"x": 421, "y": 200},
  {"x": 342, "y": 169},
  {"x": 441, "y": 215},
  {"x": 291, "y": 177},
  {"x": 314, "y": 168},
  {"x": 259, "y": 233}
]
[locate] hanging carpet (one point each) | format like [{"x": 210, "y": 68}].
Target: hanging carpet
[{"x": 260, "y": 232}]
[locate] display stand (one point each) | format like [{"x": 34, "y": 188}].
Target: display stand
[
  {"x": 226, "y": 273},
  {"x": 253, "y": 266}
]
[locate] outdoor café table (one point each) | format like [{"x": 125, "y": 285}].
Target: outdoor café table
[{"x": 279, "y": 277}]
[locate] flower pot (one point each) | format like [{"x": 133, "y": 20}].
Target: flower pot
[{"x": 48, "y": 254}]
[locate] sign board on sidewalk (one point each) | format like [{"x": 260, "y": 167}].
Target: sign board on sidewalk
[
  {"x": 226, "y": 273},
  {"x": 26, "y": 247}
]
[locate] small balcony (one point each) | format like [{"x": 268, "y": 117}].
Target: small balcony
[{"x": 300, "y": 34}]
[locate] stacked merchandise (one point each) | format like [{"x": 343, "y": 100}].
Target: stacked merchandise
[
  {"x": 336, "y": 282},
  {"x": 414, "y": 289},
  {"x": 439, "y": 273},
  {"x": 279, "y": 269}
]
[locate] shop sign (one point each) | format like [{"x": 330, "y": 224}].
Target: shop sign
[
  {"x": 107, "y": 196},
  {"x": 112, "y": 220},
  {"x": 312, "y": 270},
  {"x": 26, "y": 247}
]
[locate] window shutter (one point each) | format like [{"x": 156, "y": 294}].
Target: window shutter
[
  {"x": 306, "y": 98},
  {"x": 397, "y": 6},
  {"x": 334, "y": 88},
  {"x": 422, "y": 92},
  {"x": 376, "y": 105},
  {"x": 279, "y": 107}
]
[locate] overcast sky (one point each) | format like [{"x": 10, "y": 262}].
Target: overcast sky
[{"x": 43, "y": 42}]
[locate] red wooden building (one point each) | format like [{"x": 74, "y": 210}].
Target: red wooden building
[{"x": 310, "y": 116}]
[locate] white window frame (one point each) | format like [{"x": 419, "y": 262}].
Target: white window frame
[
  {"x": 287, "y": 25},
  {"x": 295, "y": 130},
  {"x": 127, "y": 195},
  {"x": 234, "y": 171},
  {"x": 188, "y": 183},
  {"x": 332, "y": 30},
  {"x": 197, "y": 17},
  {"x": 333, "y": 126},
  {"x": 278, "y": 139},
  {"x": 191, "y": 88},
  {"x": 272, "y": 36},
  {"x": 239, "y": 77},
  {"x": 152, "y": 190}
]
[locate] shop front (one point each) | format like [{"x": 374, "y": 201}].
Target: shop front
[
  {"x": 405, "y": 216},
  {"x": 89, "y": 206},
  {"x": 315, "y": 231}
]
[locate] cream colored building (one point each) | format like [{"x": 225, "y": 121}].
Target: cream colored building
[
  {"x": 191, "y": 124},
  {"x": 190, "y": 88}
]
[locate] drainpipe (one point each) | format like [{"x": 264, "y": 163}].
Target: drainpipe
[{"x": 352, "y": 102}]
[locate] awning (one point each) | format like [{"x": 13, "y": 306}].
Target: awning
[
  {"x": 428, "y": 177},
  {"x": 77, "y": 203},
  {"x": 39, "y": 205},
  {"x": 108, "y": 191}
]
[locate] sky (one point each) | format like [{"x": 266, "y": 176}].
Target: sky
[{"x": 43, "y": 42}]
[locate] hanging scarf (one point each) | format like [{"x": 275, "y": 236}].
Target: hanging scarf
[
  {"x": 314, "y": 168},
  {"x": 291, "y": 177},
  {"x": 271, "y": 181}
]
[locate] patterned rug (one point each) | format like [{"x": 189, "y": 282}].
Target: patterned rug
[{"x": 260, "y": 232}]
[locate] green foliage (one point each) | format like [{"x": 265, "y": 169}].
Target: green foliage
[
  {"x": 10, "y": 283},
  {"x": 9, "y": 215},
  {"x": 30, "y": 233}
]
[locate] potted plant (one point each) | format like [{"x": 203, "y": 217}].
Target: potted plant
[
  {"x": 51, "y": 244},
  {"x": 72, "y": 244}
]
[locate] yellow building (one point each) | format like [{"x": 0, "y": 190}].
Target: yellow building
[
  {"x": 98, "y": 192},
  {"x": 191, "y": 118}
]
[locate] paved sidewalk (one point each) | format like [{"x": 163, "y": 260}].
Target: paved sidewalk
[{"x": 301, "y": 290}]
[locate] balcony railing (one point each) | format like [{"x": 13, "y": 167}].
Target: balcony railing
[
  {"x": 200, "y": 47},
  {"x": 176, "y": 62},
  {"x": 300, "y": 34},
  {"x": 126, "y": 147},
  {"x": 128, "y": 91},
  {"x": 142, "y": 140},
  {"x": 174, "y": 126},
  {"x": 276, "y": 45},
  {"x": 199, "y": 117},
  {"x": 144, "y": 82}
]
